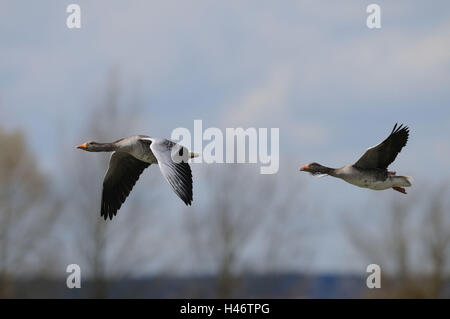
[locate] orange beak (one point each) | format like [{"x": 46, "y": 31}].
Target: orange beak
[
  {"x": 304, "y": 168},
  {"x": 82, "y": 146}
]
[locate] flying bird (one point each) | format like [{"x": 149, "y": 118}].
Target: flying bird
[
  {"x": 131, "y": 155},
  {"x": 370, "y": 171}
]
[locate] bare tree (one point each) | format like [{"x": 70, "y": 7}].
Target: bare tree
[
  {"x": 412, "y": 246},
  {"x": 435, "y": 234},
  {"x": 243, "y": 209},
  {"x": 28, "y": 212}
]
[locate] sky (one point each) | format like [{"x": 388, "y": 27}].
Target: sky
[{"x": 311, "y": 68}]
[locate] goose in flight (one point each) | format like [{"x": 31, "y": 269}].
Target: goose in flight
[
  {"x": 370, "y": 171},
  {"x": 131, "y": 155}
]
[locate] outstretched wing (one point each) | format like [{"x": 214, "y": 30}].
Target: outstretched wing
[
  {"x": 172, "y": 160},
  {"x": 383, "y": 154},
  {"x": 123, "y": 172}
]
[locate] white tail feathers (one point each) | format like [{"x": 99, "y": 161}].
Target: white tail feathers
[
  {"x": 409, "y": 179},
  {"x": 402, "y": 181}
]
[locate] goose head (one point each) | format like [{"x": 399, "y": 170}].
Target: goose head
[
  {"x": 95, "y": 147},
  {"x": 315, "y": 169}
]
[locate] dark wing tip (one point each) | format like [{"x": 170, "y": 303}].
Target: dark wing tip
[
  {"x": 397, "y": 128},
  {"x": 395, "y": 142},
  {"x": 110, "y": 203},
  {"x": 393, "y": 130},
  {"x": 188, "y": 202},
  {"x": 185, "y": 195},
  {"x": 401, "y": 132},
  {"x": 181, "y": 182}
]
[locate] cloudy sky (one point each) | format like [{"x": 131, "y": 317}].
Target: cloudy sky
[{"x": 311, "y": 68}]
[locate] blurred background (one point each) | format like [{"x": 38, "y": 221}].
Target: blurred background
[{"x": 311, "y": 68}]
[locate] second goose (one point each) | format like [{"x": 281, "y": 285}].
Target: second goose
[{"x": 370, "y": 171}]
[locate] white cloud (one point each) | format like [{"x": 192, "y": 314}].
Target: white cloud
[
  {"x": 263, "y": 103},
  {"x": 267, "y": 105}
]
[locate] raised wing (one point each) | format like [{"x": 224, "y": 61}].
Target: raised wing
[
  {"x": 383, "y": 154},
  {"x": 123, "y": 172},
  {"x": 172, "y": 160}
]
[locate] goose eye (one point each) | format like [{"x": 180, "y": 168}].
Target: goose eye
[{"x": 180, "y": 152}]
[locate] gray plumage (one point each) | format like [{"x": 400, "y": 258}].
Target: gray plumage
[
  {"x": 370, "y": 171},
  {"x": 130, "y": 157}
]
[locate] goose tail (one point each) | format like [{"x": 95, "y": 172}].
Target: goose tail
[{"x": 403, "y": 181}]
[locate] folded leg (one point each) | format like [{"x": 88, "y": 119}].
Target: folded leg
[{"x": 399, "y": 189}]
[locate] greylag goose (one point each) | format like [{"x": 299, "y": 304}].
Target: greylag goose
[
  {"x": 131, "y": 155},
  {"x": 370, "y": 171}
]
